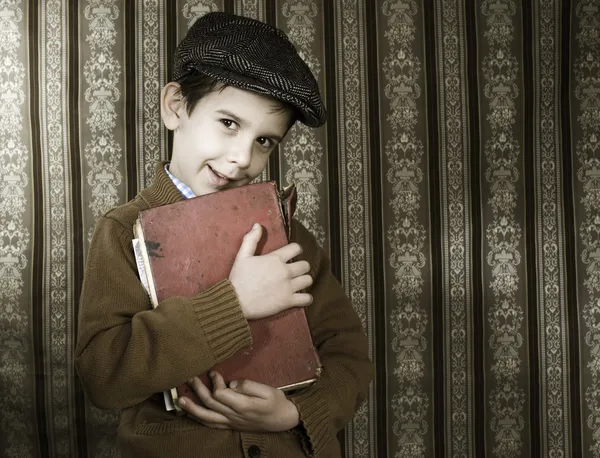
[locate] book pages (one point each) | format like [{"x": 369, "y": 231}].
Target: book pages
[{"x": 139, "y": 261}]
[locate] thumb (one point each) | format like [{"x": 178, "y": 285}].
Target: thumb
[{"x": 250, "y": 242}]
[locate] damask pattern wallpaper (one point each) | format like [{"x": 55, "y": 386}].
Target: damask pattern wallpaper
[{"x": 456, "y": 188}]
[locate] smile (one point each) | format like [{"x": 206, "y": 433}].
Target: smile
[
  {"x": 218, "y": 174},
  {"x": 218, "y": 178}
]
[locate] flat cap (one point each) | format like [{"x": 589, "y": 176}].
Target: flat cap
[{"x": 251, "y": 55}]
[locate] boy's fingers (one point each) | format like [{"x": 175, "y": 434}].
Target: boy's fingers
[
  {"x": 250, "y": 242},
  {"x": 288, "y": 252},
  {"x": 203, "y": 414},
  {"x": 300, "y": 283},
  {"x": 201, "y": 390},
  {"x": 217, "y": 380},
  {"x": 301, "y": 300},
  {"x": 207, "y": 398},
  {"x": 251, "y": 388},
  {"x": 298, "y": 268}
]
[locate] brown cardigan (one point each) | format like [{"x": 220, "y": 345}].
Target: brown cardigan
[{"x": 126, "y": 352}]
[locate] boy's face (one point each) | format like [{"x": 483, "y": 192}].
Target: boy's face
[{"x": 227, "y": 139}]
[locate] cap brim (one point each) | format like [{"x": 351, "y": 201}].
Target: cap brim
[{"x": 306, "y": 114}]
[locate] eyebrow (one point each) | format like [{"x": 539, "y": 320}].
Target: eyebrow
[{"x": 241, "y": 122}]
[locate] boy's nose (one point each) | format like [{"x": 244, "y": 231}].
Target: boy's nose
[{"x": 241, "y": 154}]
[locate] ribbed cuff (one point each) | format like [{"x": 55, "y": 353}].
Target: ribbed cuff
[
  {"x": 220, "y": 314},
  {"x": 314, "y": 417}
]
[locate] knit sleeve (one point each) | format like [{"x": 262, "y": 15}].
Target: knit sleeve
[
  {"x": 126, "y": 351},
  {"x": 329, "y": 405}
]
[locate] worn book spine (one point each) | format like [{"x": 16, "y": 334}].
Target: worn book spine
[{"x": 145, "y": 270}]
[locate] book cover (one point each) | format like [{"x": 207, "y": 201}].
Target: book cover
[{"x": 191, "y": 245}]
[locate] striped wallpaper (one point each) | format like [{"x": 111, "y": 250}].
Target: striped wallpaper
[{"x": 456, "y": 188}]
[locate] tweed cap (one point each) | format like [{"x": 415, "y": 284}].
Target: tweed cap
[{"x": 251, "y": 55}]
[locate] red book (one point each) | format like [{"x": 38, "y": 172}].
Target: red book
[{"x": 191, "y": 245}]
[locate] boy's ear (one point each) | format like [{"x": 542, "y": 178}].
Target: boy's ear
[{"x": 170, "y": 105}]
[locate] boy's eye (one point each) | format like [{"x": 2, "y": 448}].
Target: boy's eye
[
  {"x": 264, "y": 141},
  {"x": 230, "y": 124}
]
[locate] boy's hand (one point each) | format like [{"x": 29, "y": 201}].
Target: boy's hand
[
  {"x": 246, "y": 406},
  {"x": 268, "y": 284}
]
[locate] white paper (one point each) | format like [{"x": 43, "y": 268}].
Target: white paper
[{"x": 139, "y": 260}]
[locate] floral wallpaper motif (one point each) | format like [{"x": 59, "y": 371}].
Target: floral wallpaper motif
[
  {"x": 504, "y": 233},
  {"x": 455, "y": 149},
  {"x": 406, "y": 235},
  {"x": 102, "y": 73},
  {"x": 356, "y": 252},
  {"x": 15, "y": 236},
  {"x": 303, "y": 150},
  {"x": 585, "y": 90}
]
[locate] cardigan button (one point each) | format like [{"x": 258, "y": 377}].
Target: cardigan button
[{"x": 254, "y": 451}]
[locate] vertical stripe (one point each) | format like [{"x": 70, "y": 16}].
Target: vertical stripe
[
  {"x": 150, "y": 80},
  {"x": 58, "y": 303},
  {"x": 131, "y": 114},
  {"x": 37, "y": 280},
  {"x": 406, "y": 230},
  {"x": 275, "y": 159},
  {"x": 550, "y": 231},
  {"x": 303, "y": 155},
  {"x": 436, "y": 278},
  {"x": 354, "y": 205},
  {"x": 102, "y": 114},
  {"x": 171, "y": 41},
  {"x": 568, "y": 196},
  {"x": 228, "y": 6},
  {"x": 532, "y": 276},
  {"x": 377, "y": 338},
  {"x": 17, "y": 428},
  {"x": 456, "y": 227},
  {"x": 503, "y": 272},
  {"x": 76, "y": 208},
  {"x": 332, "y": 170},
  {"x": 585, "y": 65},
  {"x": 479, "y": 335}
]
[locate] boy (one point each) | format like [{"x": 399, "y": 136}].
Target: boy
[{"x": 238, "y": 87}]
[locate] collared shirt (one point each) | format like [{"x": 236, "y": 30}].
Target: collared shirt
[{"x": 184, "y": 189}]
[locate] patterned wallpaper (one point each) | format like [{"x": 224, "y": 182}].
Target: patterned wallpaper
[{"x": 456, "y": 188}]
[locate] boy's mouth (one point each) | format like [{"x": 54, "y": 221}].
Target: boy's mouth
[{"x": 218, "y": 178}]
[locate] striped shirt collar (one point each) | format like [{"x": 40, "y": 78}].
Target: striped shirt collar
[{"x": 184, "y": 189}]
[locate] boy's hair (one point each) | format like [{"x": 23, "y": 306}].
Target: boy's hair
[
  {"x": 247, "y": 54},
  {"x": 195, "y": 86}
]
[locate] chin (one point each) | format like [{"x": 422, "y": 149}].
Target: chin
[
  {"x": 238, "y": 184},
  {"x": 202, "y": 190},
  {"x": 209, "y": 189}
]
